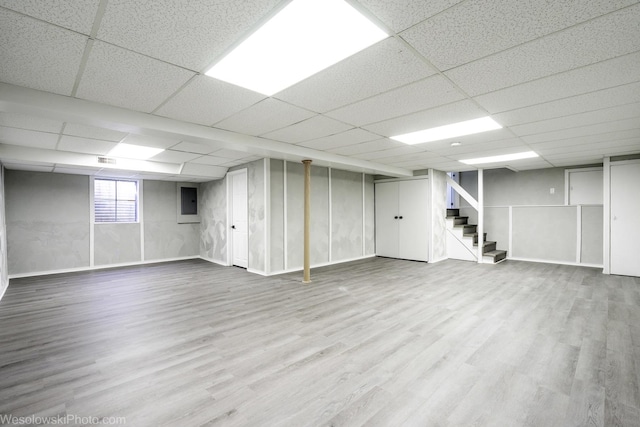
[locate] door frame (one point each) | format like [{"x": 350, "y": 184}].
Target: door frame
[{"x": 230, "y": 176}]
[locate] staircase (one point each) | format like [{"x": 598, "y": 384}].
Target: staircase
[{"x": 467, "y": 235}]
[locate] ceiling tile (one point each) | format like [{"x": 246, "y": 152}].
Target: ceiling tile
[
  {"x": 171, "y": 156},
  {"x": 401, "y": 15},
  {"x": 593, "y": 101},
  {"x": 477, "y": 28},
  {"x": 149, "y": 141},
  {"x": 211, "y": 160},
  {"x": 584, "y": 131},
  {"x": 343, "y": 139},
  {"x": 85, "y": 145},
  {"x": 386, "y": 65},
  {"x": 265, "y": 116},
  {"x": 439, "y": 116},
  {"x": 629, "y": 134},
  {"x": 71, "y": 14},
  {"x": 377, "y": 155},
  {"x": 75, "y": 170},
  {"x": 85, "y": 131},
  {"x": 431, "y": 92},
  {"x": 604, "y": 38},
  {"x": 367, "y": 147},
  {"x": 606, "y": 74},
  {"x": 29, "y": 167},
  {"x": 38, "y": 55},
  {"x": 28, "y": 138},
  {"x": 195, "y": 169},
  {"x": 26, "y": 122},
  {"x": 206, "y": 101},
  {"x": 624, "y": 144},
  {"x": 577, "y": 120},
  {"x": 466, "y": 148},
  {"x": 191, "y": 147},
  {"x": 230, "y": 154},
  {"x": 315, "y": 127},
  {"x": 126, "y": 79},
  {"x": 191, "y": 34}
]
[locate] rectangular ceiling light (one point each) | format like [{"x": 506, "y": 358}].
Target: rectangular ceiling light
[
  {"x": 449, "y": 131},
  {"x": 129, "y": 151},
  {"x": 499, "y": 159},
  {"x": 305, "y": 37}
]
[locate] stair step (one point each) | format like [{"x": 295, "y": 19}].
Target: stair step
[
  {"x": 475, "y": 237},
  {"x": 487, "y": 246},
  {"x": 460, "y": 220},
  {"x": 496, "y": 255},
  {"x": 453, "y": 212}
]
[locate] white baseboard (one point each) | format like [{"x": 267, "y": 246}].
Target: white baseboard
[
  {"x": 98, "y": 267},
  {"x": 214, "y": 261},
  {"x": 546, "y": 261},
  {"x": 323, "y": 264}
]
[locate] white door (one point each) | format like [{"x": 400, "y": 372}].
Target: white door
[
  {"x": 625, "y": 219},
  {"x": 238, "y": 219},
  {"x": 413, "y": 220},
  {"x": 387, "y": 219}
]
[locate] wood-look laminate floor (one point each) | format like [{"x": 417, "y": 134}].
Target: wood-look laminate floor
[{"x": 378, "y": 342}]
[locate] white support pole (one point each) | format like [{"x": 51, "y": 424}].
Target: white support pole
[
  {"x": 606, "y": 220},
  {"x": 480, "y": 228}
]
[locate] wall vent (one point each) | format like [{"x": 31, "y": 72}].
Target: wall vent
[{"x": 106, "y": 160}]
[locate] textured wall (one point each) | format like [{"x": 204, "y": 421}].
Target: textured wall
[
  {"x": 438, "y": 215},
  {"x": 164, "y": 238},
  {"x": 213, "y": 220},
  {"x": 346, "y": 215},
  {"x": 369, "y": 216},
  {"x": 47, "y": 219},
  {"x": 592, "y": 235},
  {"x": 545, "y": 233},
  {"x": 116, "y": 243},
  {"x": 4, "y": 271},
  {"x": 277, "y": 215},
  {"x": 256, "y": 215},
  {"x": 295, "y": 210}
]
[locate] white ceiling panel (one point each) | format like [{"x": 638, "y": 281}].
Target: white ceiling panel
[
  {"x": 383, "y": 66},
  {"x": 604, "y": 38},
  {"x": 38, "y": 55},
  {"x": 439, "y": 116},
  {"x": 605, "y": 115},
  {"x": 191, "y": 147},
  {"x": 85, "y": 131},
  {"x": 72, "y": 14},
  {"x": 477, "y": 28},
  {"x": 343, "y": 139},
  {"x": 23, "y": 166},
  {"x": 401, "y": 15},
  {"x": 606, "y": 74},
  {"x": 211, "y": 160},
  {"x": 76, "y": 170},
  {"x": 366, "y": 147},
  {"x": 120, "y": 77},
  {"x": 599, "y": 100},
  {"x": 206, "y": 101},
  {"x": 85, "y": 145},
  {"x": 28, "y": 138},
  {"x": 315, "y": 127},
  {"x": 230, "y": 154},
  {"x": 191, "y": 34},
  {"x": 446, "y": 149},
  {"x": 604, "y": 138},
  {"x": 407, "y": 149},
  {"x": 22, "y": 121},
  {"x": 625, "y": 144},
  {"x": 204, "y": 170},
  {"x": 583, "y": 131},
  {"x": 265, "y": 116},
  {"x": 172, "y": 156},
  {"x": 149, "y": 141},
  {"x": 431, "y": 92}
]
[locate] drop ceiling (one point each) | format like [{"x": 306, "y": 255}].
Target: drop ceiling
[{"x": 563, "y": 78}]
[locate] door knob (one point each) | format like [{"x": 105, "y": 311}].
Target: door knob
[
  {"x": 395, "y": 217},
  {"x": 233, "y": 226},
  {"x": 400, "y": 217}
]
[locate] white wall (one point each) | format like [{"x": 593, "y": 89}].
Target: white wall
[{"x": 4, "y": 270}]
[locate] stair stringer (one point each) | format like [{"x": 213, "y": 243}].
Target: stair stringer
[{"x": 459, "y": 246}]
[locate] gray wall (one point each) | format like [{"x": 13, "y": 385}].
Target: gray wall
[
  {"x": 164, "y": 238},
  {"x": 48, "y": 225},
  {"x": 4, "y": 271},
  {"x": 213, "y": 220},
  {"x": 438, "y": 206},
  {"x": 256, "y": 215},
  {"x": 47, "y": 218},
  {"x": 276, "y": 216},
  {"x": 542, "y": 227}
]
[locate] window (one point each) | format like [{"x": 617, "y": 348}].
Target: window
[{"x": 115, "y": 200}]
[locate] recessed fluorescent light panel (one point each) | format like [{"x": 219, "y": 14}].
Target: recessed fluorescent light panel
[
  {"x": 129, "y": 151},
  {"x": 305, "y": 37},
  {"x": 498, "y": 159},
  {"x": 449, "y": 131}
]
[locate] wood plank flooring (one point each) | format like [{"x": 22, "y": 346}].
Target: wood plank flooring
[{"x": 378, "y": 342}]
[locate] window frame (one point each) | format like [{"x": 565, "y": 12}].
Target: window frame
[{"x": 138, "y": 201}]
